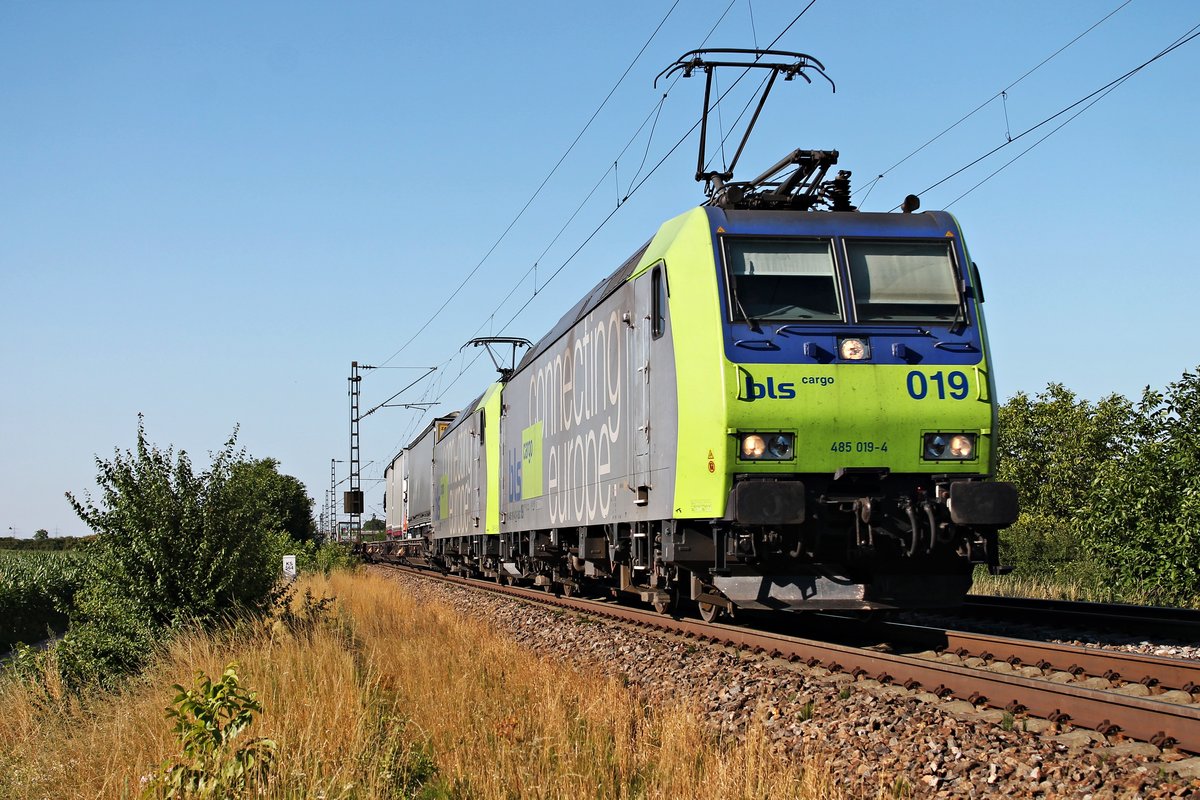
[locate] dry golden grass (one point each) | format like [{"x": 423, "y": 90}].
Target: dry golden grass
[
  {"x": 394, "y": 699},
  {"x": 1028, "y": 586},
  {"x": 1042, "y": 588}
]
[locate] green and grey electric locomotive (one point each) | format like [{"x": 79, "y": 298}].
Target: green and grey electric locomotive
[{"x": 779, "y": 402}]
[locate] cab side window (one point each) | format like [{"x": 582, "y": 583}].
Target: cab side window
[{"x": 658, "y": 303}]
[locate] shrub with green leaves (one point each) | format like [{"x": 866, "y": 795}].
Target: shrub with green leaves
[
  {"x": 1110, "y": 491},
  {"x": 324, "y": 558},
  {"x": 174, "y": 546},
  {"x": 208, "y": 720},
  {"x": 1050, "y": 446},
  {"x": 1143, "y": 522},
  {"x": 1046, "y": 547},
  {"x": 180, "y": 544}
]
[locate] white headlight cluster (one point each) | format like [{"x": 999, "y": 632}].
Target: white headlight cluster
[
  {"x": 949, "y": 446},
  {"x": 854, "y": 349},
  {"x": 767, "y": 446}
]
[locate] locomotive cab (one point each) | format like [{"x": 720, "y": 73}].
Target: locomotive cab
[{"x": 857, "y": 413}]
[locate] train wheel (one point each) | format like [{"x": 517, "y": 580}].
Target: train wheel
[
  {"x": 568, "y": 589},
  {"x": 709, "y": 612}
]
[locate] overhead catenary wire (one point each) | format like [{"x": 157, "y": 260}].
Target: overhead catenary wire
[
  {"x": 429, "y": 371},
  {"x": 1015, "y": 158},
  {"x": 445, "y": 387},
  {"x": 1098, "y": 94},
  {"x": 438, "y": 381},
  {"x": 553, "y": 170},
  {"x": 653, "y": 113},
  {"x": 648, "y": 175},
  {"x": 643, "y": 180},
  {"x": 1001, "y": 94}
]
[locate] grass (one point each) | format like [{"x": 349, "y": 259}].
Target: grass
[
  {"x": 385, "y": 697},
  {"x": 1050, "y": 588}
]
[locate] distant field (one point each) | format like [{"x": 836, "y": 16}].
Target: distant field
[
  {"x": 52, "y": 544},
  {"x": 6, "y": 554},
  {"x": 36, "y": 588}
]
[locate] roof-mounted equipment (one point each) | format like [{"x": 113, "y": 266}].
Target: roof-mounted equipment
[
  {"x": 795, "y": 182},
  {"x": 490, "y": 342}
]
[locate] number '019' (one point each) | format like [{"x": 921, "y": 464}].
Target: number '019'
[{"x": 954, "y": 384}]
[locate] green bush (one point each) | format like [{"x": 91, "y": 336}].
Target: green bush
[
  {"x": 1051, "y": 445},
  {"x": 179, "y": 544},
  {"x": 174, "y": 547},
  {"x": 1143, "y": 523},
  {"x": 324, "y": 558},
  {"x": 104, "y": 648},
  {"x": 1041, "y": 546},
  {"x": 1110, "y": 491}
]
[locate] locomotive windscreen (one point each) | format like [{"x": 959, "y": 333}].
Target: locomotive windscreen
[
  {"x": 903, "y": 281},
  {"x": 782, "y": 279}
]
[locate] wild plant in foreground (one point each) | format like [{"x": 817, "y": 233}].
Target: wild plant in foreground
[{"x": 208, "y": 720}]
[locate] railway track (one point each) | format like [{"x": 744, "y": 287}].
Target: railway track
[
  {"x": 1142, "y": 697},
  {"x": 1182, "y": 624}
]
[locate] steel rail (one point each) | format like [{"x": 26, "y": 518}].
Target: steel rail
[
  {"x": 1181, "y": 623},
  {"x": 1160, "y": 723},
  {"x": 1115, "y": 665}
]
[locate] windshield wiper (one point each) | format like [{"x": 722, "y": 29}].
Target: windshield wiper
[{"x": 754, "y": 326}]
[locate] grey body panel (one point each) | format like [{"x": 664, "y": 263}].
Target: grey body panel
[
  {"x": 589, "y": 433},
  {"x": 419, "y": 465},
  {"x": 395, "y": 494},
  {"x": 459, "y": 482}
]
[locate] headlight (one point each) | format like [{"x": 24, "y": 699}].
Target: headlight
[
  {"x": 949, "y": 446},
  {"x": 767, "y": 446},
  {"x": 962, "y": 446},
  {"x": 753, "y": 446},
  {"x": 780, "y": 446},
  {"x": 854, "y": 349}
]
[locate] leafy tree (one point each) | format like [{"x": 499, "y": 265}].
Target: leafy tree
[
  {"x": 173, "y": 545},
  {"x": 279, "y": 495},
  {"x": 374, "y": 525},
  {"x": 181, "y": 544},
  {"x": 1143, "y": 524},
  {"x": 41, "y": 535},
  {"x": 1110, "y": 491},
  {"x": 1051, "y": 446}
]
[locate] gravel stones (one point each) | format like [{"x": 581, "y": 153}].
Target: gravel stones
[{"x": 874, "y": 737}]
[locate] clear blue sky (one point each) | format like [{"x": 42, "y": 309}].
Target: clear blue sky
[{"x": 208, "y": 210}]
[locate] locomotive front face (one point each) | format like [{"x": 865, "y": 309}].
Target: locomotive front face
[
  {"x": 854, "y": 348},
  {"x": 858, "y": 413}
]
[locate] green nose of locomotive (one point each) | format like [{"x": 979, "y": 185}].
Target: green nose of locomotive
[{"x": 856, "y": 426}]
